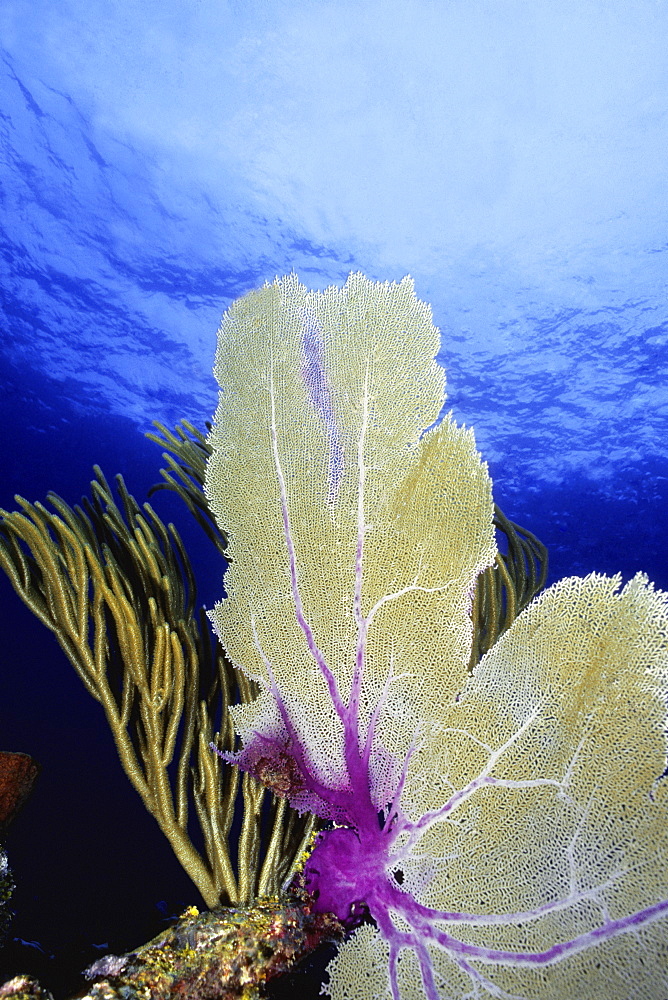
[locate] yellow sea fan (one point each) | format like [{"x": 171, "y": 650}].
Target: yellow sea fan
[{"x": 508, "y": 834}]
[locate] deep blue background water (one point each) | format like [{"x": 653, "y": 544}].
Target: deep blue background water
[{"x": 159, "y": 162}]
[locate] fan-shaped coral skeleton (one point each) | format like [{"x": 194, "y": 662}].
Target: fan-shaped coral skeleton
[{"x": 506, "y": 832}]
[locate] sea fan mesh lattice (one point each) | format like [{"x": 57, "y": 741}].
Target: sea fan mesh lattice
[{"x": 343, "y": 377}]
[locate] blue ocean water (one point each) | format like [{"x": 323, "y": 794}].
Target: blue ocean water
[{"x": 156, "y": 165}]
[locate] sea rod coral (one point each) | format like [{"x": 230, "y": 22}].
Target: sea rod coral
[
  {"x": 116, "y": 587},
  {"x": 506, "y": 832}
]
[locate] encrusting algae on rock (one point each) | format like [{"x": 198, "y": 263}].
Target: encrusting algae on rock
[{"x": 217, "y": 955}]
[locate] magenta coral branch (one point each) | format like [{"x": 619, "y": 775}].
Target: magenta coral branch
[
  {"x": 405, "y": 939},
  {"x": 558, "y": 952},
  {"x": 358, "y": 764},
  {"x": 294, "y": 576},
  {"x": 407, "y": 903},
  {"x": 375, "y": 715},
  {"x": 357, "y": 771},
  {"x": 386, "y": 898},
  {"x": 360, "y": 621},
  {"x": 394, "y": 811},
  {"x": 297, "y": 750}
]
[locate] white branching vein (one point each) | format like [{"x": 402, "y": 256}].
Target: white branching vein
[
  {"x": 316, "y": 653},
  {"x": 482, "y": 780}
]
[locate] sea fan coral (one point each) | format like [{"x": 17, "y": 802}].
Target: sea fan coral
[{"x": 506, "y": 832}]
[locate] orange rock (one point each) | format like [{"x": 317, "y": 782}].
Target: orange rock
[{"x": 17, "y": 776}]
